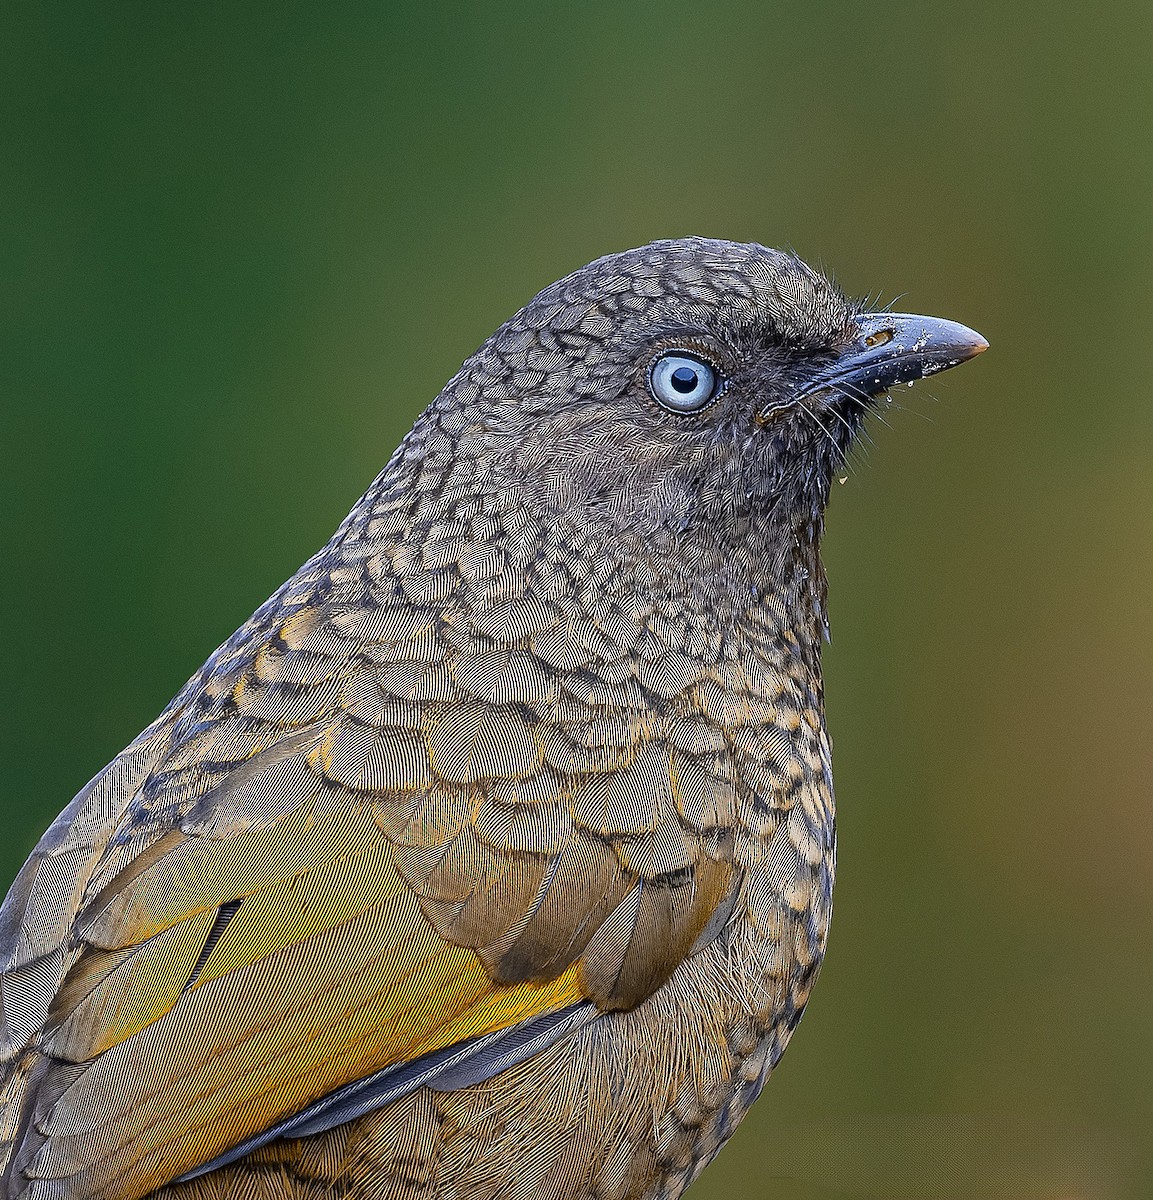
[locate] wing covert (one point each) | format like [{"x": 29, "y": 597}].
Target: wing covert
[{"x": 367, "y": 832}]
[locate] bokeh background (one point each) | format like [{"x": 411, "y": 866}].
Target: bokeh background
[{"x": 243, "y": 244}]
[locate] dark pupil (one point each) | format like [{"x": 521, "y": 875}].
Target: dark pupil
[{"x": 684, "y": 379}]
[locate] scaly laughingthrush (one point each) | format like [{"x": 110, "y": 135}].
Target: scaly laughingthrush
[{"x": 492, "y": 858}]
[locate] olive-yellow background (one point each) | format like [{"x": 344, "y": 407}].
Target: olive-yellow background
[{"x": 243, "y": 244}]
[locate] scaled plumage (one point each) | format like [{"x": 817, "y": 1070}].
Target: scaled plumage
[{"x": 493, "y": 856}]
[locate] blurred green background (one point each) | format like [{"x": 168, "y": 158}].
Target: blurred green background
[{"x": 243, "y": 244}]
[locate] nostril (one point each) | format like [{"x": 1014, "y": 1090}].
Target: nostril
[{"x": 879, "y": 337}]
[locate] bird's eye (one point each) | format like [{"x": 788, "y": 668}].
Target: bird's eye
[{"x": 681, "y": 382}]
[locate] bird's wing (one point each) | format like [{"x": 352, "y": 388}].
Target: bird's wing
[{"x": 356, "y": 839}]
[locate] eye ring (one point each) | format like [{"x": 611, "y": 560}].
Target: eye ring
[{"x": 682, "y": 382}]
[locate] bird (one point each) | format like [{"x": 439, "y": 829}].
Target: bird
[{"x": 493, "y": 856}]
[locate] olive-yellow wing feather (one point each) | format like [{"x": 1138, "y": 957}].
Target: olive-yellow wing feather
[{"x": 350, "y": 842}]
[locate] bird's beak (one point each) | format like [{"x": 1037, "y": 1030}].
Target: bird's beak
[{"x": 893, "y": 348}]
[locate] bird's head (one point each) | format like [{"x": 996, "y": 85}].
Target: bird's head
[
  {"x": 689, "y": 379},
  {"x": 689, "y": 391}
]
